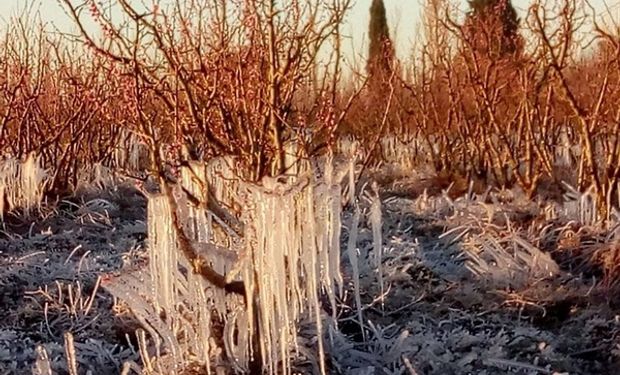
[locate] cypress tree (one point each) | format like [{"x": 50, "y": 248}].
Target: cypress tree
[{"x": 381, "y": 51}]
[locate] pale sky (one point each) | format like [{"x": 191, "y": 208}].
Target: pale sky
[{"x": 403, "y": 16}]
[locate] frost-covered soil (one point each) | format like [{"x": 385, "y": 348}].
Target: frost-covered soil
[
  {"x": 49, "y": 272},
  {"x": 444, "y": 306},
  {"x": 440, "y": 317}
]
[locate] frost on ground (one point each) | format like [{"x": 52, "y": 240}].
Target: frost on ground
[
  {"x": 481, "y": 283},
  {"x": 50, "y": 283}
]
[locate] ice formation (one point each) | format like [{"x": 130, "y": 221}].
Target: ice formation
[
  {"x": 293, "y": 237},
  {"x": 289, "y": 253},
  {"x": 22, "y": 184}
]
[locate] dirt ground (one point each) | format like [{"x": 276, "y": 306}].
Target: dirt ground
[{"x": 432, "y": 314}]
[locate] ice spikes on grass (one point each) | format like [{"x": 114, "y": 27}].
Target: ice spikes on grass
[{"x": 505, "y": 258}]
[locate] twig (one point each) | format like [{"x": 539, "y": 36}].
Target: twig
[
  {"x": 498, "y": 362},
  {"x": 28, "y": 256},
  {"x": 78, "y": 247},
  {"x": 70, "y": 354},
  {"x": 47, "y": 321},
  {"x": 409, "y": 366},
  {"x": 92, "y": 296}
]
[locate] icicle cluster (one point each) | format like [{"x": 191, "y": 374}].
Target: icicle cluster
[
  {"x": 349, "y": 146},
  {"x": 402, "y": 154},
  {"x": 581, "y": 206},
  {"x": 223, "y": 180},
  {"x": 132, "y": 153},
  {"x": 293, "y": 237},
  {"x": 22, "y": 184},
  {"x": 223, "y": 184},
  {"x": 290, "y": 252},
  {"x": 194, "y": 180},
  {"x": 97, "y": 175},
  {"x": 354, "y": 260},
  {"x": 183, "y": 300}
]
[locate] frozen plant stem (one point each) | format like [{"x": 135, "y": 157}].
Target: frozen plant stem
[
  {"x": 377, "y": 238},
  {"x": 353, "y": 258}
]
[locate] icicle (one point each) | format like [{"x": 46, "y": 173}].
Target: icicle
[
  {"x": 201, "y": 326},
  {"x": 223, "y": 180},
  {"x": 294, "y": 231},
  {"x": 292, "y": 157},
  {"x": 353, "y": 258},
  {"x": 163, "y": 253},
  {"x": 375, "y": 218},
  {"x": 2, "y": 199},
  {"x": 42, "y": 364},
  {"x": 193, "y": 179},
  {"x": 352, "y": 181},
  {"x": 237, "y": 339},
  {"x": 311, "y": 266},
  {"x": 325, "y": 226},
  {"x": 22, "y": 184}
]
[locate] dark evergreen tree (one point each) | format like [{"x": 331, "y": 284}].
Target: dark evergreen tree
[
  {"x": 381, "y": 51},
  {"x": 492, "y": 27}
]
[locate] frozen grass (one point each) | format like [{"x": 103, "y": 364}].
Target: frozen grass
[{"x": 505, "y": 258}]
